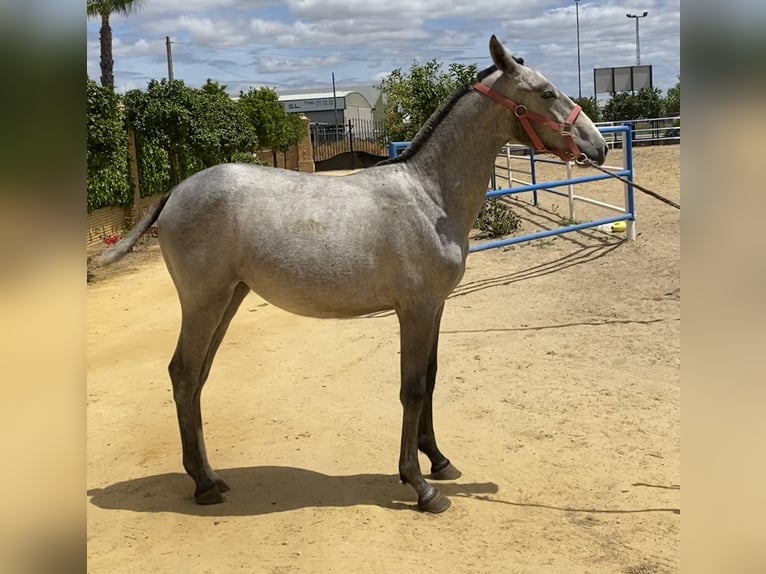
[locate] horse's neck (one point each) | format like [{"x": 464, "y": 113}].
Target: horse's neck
[{"x": 456, "y": 161}]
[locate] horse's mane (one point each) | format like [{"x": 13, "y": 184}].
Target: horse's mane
[{"x": 425, "y": 132}]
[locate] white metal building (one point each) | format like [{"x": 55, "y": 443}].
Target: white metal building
[{"x": 322, "y": 108}]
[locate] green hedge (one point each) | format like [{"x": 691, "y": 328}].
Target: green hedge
[{"x": 108, "y": 162}]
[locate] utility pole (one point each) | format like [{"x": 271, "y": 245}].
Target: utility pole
[
  {"x": 579, "y": 75},
  {"x": 334, "y": 108},
  {"x": 170, "y": 58},
  {"x": 638, "y": 45}
]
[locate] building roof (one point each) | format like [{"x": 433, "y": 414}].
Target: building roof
[
  {"x": 369, "y": 93},
  {"x": 313, "y": 96}
]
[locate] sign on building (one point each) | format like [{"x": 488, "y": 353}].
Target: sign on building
[{"x": 314, "y": 104}]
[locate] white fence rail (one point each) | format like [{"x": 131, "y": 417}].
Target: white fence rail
[{"x": 654, "y": 131}]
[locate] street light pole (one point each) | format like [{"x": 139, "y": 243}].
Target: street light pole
[
  {"x": 638, "y": 45},
  {"x": 579, "y": 74}
]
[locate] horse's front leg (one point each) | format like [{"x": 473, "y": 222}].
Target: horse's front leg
[
  {"x": 441, "y": 467},
  {"x": 417, "y": 338}
]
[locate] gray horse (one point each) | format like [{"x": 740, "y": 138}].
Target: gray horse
[{"x": 394, "y": 236}]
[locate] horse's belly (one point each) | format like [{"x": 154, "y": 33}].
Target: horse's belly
[
  {"x": 320, "y": 301},
  {"x": 317, "y": 286}
]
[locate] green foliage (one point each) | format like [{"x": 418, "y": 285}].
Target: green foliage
[
  {"x": 220, "y": 129},
  {"x": 107, "y": 153},
  {"x": 412, "y": 97},
  {"x": 275, "y": 128},
  {"x": 97, "y": 8},
  {"x": 673, "y": 100},
  {"x": 213, "y": 88},
  {"x": 643, "y": 104},
  {"x": 291, "y": 131},
  {"x": 497, "y": 219},
  {"x": 590, "y": 107},
  {"x": 263, "y": 110},
  {"x": 153, "y": 167},
  {"x": 187, "y": 130}
]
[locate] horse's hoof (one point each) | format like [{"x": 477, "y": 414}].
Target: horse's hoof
[
  {"x": 222, "y": 486},
  {"x": 449, "y": 472},
  {"x": 210, "y": 496},
  {"x": 436, "y": 504}
]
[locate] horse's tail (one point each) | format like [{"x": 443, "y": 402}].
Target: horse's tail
[{"x": 126, "y": 243}]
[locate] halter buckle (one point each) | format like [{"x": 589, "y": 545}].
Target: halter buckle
[
  {"x": 520, "y": 110},
  {"x": 566, "y": 129}
]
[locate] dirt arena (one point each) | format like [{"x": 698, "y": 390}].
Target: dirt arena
[{"x": 558, "y": 398}]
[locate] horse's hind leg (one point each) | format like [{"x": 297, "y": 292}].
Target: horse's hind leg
[
  {"x": 203, "y": 326},
  {"x": 441, "y": 467}
]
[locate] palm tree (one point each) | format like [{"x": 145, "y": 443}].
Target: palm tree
[{"x": 103, "y": 9}]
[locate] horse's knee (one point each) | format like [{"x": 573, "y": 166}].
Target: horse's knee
[
  {"x": 175, "y": 369},
  {"x": 413, "y": 393}
]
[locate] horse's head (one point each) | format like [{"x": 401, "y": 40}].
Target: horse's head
[{"x": 545, "y": 118}]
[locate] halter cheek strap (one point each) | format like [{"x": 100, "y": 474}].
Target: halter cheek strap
[{"x": 526, "y": 118}]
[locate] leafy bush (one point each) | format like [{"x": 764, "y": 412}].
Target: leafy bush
[
  {"x": 645, "y": 103},
  {"x": 497, "y": 218},
  {"x": 590, "y": 107},
  {"x": 275, "y": 128},
  {"x": 673, "y": 100},
  {"x": 185, "y": 130},
  {"x": 412, "y": 97},
  {"x": 108, "y": 163}
]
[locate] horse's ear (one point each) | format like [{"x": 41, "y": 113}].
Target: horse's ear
[{"x": 500, "y": 57}]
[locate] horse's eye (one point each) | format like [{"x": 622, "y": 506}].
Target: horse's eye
[{"x": 548, "y": 94}]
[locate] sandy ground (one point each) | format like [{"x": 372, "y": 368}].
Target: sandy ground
[{"x": 558, "y": 398}]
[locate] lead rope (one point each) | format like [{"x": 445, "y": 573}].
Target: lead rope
[{"x": 587, "y": 161}]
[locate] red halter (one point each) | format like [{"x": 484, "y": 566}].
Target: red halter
[{"x": 524, "y": 115}]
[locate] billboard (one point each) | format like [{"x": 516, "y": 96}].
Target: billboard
[{"x": 622, "y": 79}]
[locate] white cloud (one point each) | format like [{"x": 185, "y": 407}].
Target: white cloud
[
  {"x": 397, "y": 11},
  {"x": 271, "y": 65},
  {"x": 277, "y": 39},
  {"x": 138, "y": 49},
  {"x": 163, "y": 7}
]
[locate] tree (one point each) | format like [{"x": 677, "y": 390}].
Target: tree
[
  {"x": 646, "y": 103},
  {"x": 197, "y": 128},
  {"x": 673, "y": 100},
  {"x": 221, "y": 132},
  {"x": 162, "y": 116},
  {"x": 590, "y": 107},
  {"x": 412, "y": 97},
  {"x": 291, "y": 131},
  {"x": 104, "y": 9},
  {"x": 213, "y": 88},
  {"x": 107, "y": 150},
  {"x": 276, "y": 129}
]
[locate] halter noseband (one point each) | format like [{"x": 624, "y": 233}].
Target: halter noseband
[{"x": 524, "y": 115}]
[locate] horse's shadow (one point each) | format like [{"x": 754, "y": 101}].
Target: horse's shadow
[{"x": 269, "y": 489}]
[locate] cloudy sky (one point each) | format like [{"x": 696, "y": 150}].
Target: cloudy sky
[{"x": 298, "y": 44}]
